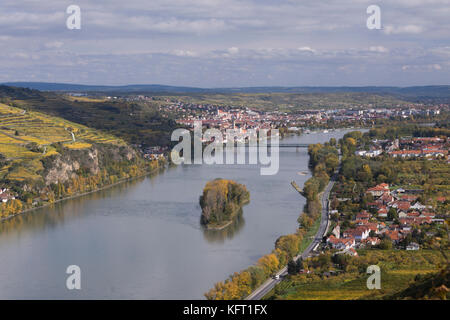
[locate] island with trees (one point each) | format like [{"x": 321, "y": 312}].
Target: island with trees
[{"x": 221, "y": 202}]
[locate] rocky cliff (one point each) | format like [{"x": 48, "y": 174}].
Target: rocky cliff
[{"x": 67, "y": 164}]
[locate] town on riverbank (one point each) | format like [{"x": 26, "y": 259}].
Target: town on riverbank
[{"x": 384, "y": 210}]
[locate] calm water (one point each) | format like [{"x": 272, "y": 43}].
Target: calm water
[{"x": 143, "y": 240}]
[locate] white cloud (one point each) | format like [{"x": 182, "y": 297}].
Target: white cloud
[
  {"x": 425, "y": 67},
  {"x": 233, "y": 50},
  {"x": 54, "y": 44},
  {"x": 171, "y": 40},
  {"x": 20, "y": 55},
  {"x": 404, "y": 29},
  {"x": 308, "y": 49},
  {"x": 380, "y": 49},
  {"x": 436, "y": 66},
  {"x": 441, "y": 51},
  {"x": 184, "y": 53}
]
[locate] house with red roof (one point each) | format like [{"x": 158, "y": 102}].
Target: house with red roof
[
  {"x": 364, "y": 215},
  {"x": 387, "y": 198},
  {"x": 342, "y": 243},
  {"x": 5, "y": 195},
  {"x": 408, "y": 197},
  {"x": 379, "y": 190},
  {"x": 402, "y": 205},
  {"x": 382, "y": 212},
  {"x": 413, "y": 214},
  {"x": 415, "y": 220},
  {"x": 402, "y": 214},
  {"x": 427, "y": 214},
  {"x": 393, "y": 235},
  {"x": 405, "y": 153},
  {"x": 359, "y": 233},
  {"x": 372, "y": 241}
]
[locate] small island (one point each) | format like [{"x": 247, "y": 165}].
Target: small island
[{"x": 221, "y": 202}]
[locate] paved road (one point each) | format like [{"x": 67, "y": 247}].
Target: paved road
[{"x": 260, "y": 292}]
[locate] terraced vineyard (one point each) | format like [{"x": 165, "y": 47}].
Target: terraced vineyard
[
  {"x": 27, "y": 136},
  {"x": 399, "y": 268},
  {"x": 136, "y": 123}
]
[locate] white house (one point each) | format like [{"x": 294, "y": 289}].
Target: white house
[
  {"x": 418, "y": 206},
  {"x": 412, "y": 246}
]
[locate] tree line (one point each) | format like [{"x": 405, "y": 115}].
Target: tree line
[{"x": 240, "y": 284}]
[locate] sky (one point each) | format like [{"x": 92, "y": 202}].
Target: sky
[{"x": 226, "y": 43}]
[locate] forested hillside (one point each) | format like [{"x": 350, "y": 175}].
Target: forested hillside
[
  {"x": 45, "y": 158},
  {"x": 135, "y": 123}
]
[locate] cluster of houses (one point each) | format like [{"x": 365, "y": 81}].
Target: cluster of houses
[
  {"x": 155, "y": 153},
  {"x": 426, "y": 147},
  {"x": 225, "y": 117},
  {"x": 421, "y": 147},
  {"x": 368, "y": 229},
  {"x": 237, "y": 119},
  {"x": 5, "y": 195}
]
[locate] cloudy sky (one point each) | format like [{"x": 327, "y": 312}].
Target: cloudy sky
[{"x": 226, "y": 43}]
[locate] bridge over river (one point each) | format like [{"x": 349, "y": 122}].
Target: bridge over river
[
  {"x": 284, "y": 145},
  {"x": 291, "y": 145}
]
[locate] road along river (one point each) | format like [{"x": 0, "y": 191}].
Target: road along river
[{"x": 143, "y": 239}]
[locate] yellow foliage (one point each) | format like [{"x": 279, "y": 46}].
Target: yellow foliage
[
  {"x": 269, "y": 263},
  {"x": 351, "y": 141},
  {"x": 78, "y": 145}
]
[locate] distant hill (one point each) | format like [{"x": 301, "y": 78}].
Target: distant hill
[
  {"x": 417, "y": 92},
  {"x": 44, "y": 158},
  {"x": 19, "y": 128},
  {"x": 65, "y": 87},
  {"x": 135, "y": 123}
]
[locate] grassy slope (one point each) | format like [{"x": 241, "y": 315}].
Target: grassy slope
[
  {"x": 136, "y": 123},
  {"x": 431, "y": 286},
  {"x": 309, "y": 236},
  {"x": 398, "y": 270},
  {"x": 25, "y": 135}
]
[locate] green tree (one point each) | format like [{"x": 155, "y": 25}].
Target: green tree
[
  {"x": 299, "y": 265},
  {"x": 292, "y": 267},
  {"x": 385, "y": 244},
  {"x": 392, "y": 214}
]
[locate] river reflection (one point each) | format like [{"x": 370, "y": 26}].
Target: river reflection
[
  {"x": 58, "y": 213},
  {"x": 227, "y": 232},
  {"x": 129, "y": 239}
]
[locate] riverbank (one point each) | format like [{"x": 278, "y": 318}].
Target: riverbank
[
  {"x": 127, "y": 238},
  {"x": 309, "y": 236},
  {"x": 288, "y": 247},
  {"x": 306, "y": 246},
  {"x": 296, "y": 187},
  {"x": 85, "y": 193},
  {"x": 226, "y": 224}
]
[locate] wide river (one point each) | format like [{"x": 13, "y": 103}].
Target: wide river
[{"x": 143, "y": 239}]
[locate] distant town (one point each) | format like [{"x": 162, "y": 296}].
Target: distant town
[{"x": 242, "y": 119}]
